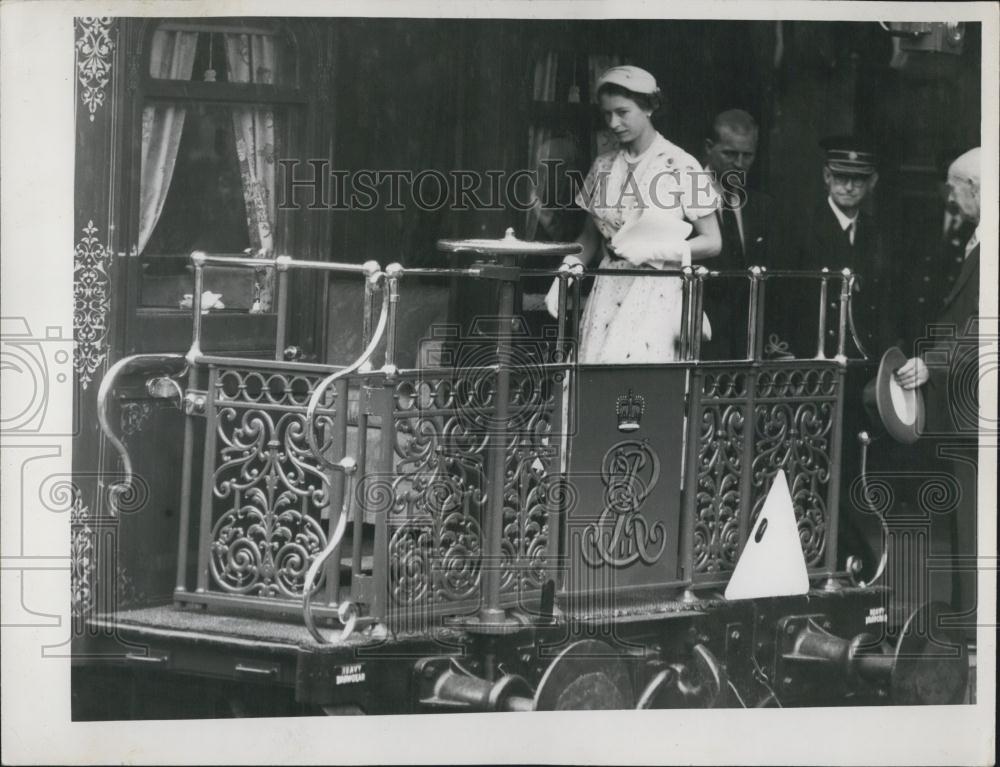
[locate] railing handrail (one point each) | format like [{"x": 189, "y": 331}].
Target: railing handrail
[
  {"x": 638, "y": 271},
  {"x": 281, "y": 263},
  {"x": 347, "y": 611},
  {"x": 319, "y": 391},
  {"x": 133, "y": 363}
]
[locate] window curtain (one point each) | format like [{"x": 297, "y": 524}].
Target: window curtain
[
  {"x": 539, "y": 134},
  {"x": 251, "y": 59},
  {"x": 542, "y": 145},
  {"x": 597, "y": 63},
  {"x": 171, "y": 58}
]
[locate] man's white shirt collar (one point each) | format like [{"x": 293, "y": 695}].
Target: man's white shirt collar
[
  {"x": 972, "y": 243},
  {"x": 844, "y": 220}
]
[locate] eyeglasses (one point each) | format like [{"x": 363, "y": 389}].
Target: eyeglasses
[{"x": 845, "y": 180}]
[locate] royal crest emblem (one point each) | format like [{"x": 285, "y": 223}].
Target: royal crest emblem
[{"x": 630, "y": 408}]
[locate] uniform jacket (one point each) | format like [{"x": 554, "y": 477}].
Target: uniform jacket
[{"x": 825, "y": 244}]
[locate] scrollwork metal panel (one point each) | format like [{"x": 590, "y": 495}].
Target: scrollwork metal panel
[
  {"x": 796, "y": 437},
  {"x": 446, "y": 436},
  {"x": 271, "y": 494},
  {"x": 438, "y": 488},
  {"x": 788, "y": 412},
  {"x": 717, "y": 501}
]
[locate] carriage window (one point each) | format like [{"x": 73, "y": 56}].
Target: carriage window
[
  {"x": 565, "y": 133},
  {"x": 199, "y": 52},
  {"x": 207, "y": 177}
]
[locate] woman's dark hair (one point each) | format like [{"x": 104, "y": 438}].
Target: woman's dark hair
[{"x": 648, "y": 102}]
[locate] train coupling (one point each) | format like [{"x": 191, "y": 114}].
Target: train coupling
[{"x": 927, "y": 664}]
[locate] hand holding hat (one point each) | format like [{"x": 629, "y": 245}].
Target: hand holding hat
[
  {"x": 912, "y": 374},
  {"x": 897, "y": 397}
]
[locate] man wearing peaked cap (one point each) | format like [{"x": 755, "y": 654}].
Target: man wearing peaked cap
[
  {"x": 850, "y": 155},
  {"x": 839, "y": 235}
]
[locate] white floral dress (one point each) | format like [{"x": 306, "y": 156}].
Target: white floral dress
[{"x": 636, "y": 319}]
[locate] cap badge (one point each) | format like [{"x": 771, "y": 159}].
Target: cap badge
[{"x": 852, "y": 155}]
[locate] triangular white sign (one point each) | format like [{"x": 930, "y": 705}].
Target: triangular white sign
[{"x": 772, "y": 563}]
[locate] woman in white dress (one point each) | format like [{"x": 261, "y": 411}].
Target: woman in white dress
[{"x": 644, "y": 200}]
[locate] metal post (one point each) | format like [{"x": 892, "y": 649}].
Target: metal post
[
  {"x": 821, "y": 333},
  {"x": 700, "y": 272},
  {"x": 836, "y": 447},
  {"x": 393, "y": 273},
  {"x": 687, "y": 275},
  {"x": 756, "y": 313},
  {"x": 281, "y": 264},
  {"x": 208, "y": 473},
  {"x": 833, "y": 496},
  {"x": 690, "y": 492},
  {"x": 357, "y": 529},
  {"x": 491, "y": 612},
  {"x": 185, "y": 510},
  {"x": 338, "y": 504},
  {"x": 198, "y": 259},
  {"x": 372, "y": 271},
  {"x": 577, "y": 301},
  {"x": 561, "y": 311},
  {"x": 845, "y": 297},
  {"x": 383, "y": 407},
  {"x": 746, "y": 459}
]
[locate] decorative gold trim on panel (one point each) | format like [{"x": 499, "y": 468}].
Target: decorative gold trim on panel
[
  {"x": 94, "y": 49},
  {"x": 91, "y": 304}
]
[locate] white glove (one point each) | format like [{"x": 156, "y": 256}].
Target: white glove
[
  {"x": 656, "y": 254},
  {"x": 570, "y": 264},
  {"x": 658, "y": 238}
]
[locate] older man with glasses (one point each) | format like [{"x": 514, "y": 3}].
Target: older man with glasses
[{"x": 946, "y": 368}]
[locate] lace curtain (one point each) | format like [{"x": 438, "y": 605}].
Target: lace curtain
[
  {"x": 171, "y": 58},
  {"x": 251, "y": 59}
]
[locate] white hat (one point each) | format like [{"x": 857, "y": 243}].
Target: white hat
[{"x": 629, "y": 77}]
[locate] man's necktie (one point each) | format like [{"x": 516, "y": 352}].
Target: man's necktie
[
  {"x": 851, "y": 228},
  {"x": 731, "y": 233}
]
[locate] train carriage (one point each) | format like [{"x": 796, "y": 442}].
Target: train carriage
[
  {"x": 502, "y": 528},
  {"x": 370, "y": 476}
]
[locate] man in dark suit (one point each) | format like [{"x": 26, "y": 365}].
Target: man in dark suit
[
  {"x": 947, "y": 366},
  {"x": 745, "y": 223},
  {"x": 933, "y": 250},
  {"x": 839, "y": 235}
]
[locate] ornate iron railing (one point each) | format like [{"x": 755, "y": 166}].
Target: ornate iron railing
[
  {"x": 748, "y": 424},
  {"x": 463, "y": 495}
]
